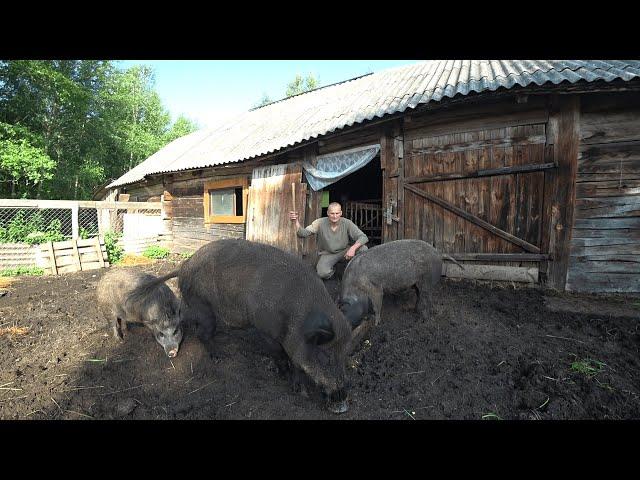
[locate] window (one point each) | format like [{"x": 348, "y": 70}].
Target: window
[{"x": 225, "y": 201}]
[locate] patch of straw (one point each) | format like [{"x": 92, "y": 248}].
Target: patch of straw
[
  {"x": 5, "y": 282},
  {"x": 131, "y": 259},
  {"x": 14, "y": 331}
]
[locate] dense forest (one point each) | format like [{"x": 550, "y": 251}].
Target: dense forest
[{"x": 68, "y": 126}]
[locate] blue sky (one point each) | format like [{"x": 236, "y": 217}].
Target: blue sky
[{"x": 207, "y": 91}]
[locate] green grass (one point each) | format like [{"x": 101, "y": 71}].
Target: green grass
[
  {"x": 155, "y": 251},
  {"x": 491, "y": 416},
  {"x": 13, "y": 272},
  {"x": 588, "y": 367},
  {"x": 186, "y": 255}
]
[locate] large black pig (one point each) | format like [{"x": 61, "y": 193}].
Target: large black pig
[{"x": 247, "y": 284}]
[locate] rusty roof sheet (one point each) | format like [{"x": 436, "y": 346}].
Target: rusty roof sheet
[{"x": 324, "y": 110}]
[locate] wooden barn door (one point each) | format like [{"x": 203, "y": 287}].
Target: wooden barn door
[
  {"x": 271, "y": 197},
  {"x": 478, "y": 196}
]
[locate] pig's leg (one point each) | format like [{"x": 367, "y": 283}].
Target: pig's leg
[
  {"x": 117, "y": 332},
  {"x": 278, "y": 353},
  {"x": 359, "y": 333},
  {"x": 200, "y": 315},
  {"x": 115, "y": 319},
  {"x": 299, "y": 381},
  {"x": 423, "y": 303},
  {"x": 124, "y": 329},
  {"x": 377, "y": 295}
]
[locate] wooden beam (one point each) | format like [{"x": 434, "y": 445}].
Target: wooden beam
[
  {"x": 465, "y": 146},
  {"x": 549, "y": 189},
  {"x": 99, "y": 249},
  {"x": 398, "y": 149},
  {"x": 54, "y": 266},
  {"x": 482, "y": 173},
  {"x": 500, "y": 257},
  {"x": 476, "y": 220},
  {"x": 76, "y": 255},
  {"x": 567, "y": 116},
  {"x": 492, "y": 272},
  {"x": 82, "y": 204}
]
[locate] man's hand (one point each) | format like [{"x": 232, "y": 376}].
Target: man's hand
[
  {"x": 293, "y": 216},
  {"x": 350, "y": 253}
]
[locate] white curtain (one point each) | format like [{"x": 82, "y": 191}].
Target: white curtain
[{"x": 334, "y": 166}]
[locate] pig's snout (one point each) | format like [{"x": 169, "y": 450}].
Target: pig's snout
[
  {"x": 338, "y": 407},
  {"x": 338, "y": 401},
  {"x": 172, "y": 353}
]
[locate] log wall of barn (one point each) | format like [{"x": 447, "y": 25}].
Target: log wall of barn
[
  {"x": 183, "y": 197},
  {"x": 605, "y": 243}
]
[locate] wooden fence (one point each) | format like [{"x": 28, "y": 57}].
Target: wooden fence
[
  {"x": 140, "y": 224},
  {"x": 74, "y": 255},
  {"x": 108, "y": 214},
  {"x": 367, "y": 216}
]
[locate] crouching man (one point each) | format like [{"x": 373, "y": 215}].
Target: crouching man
[{"x": 334, "y": 235}]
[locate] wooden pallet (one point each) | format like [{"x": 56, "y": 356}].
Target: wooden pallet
[{"x": 75, "y": 255}]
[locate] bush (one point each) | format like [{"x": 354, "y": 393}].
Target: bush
[
  {"x": 114, "y": 251},
  {"x": 31, "y": 230},
  {"x": 12, "y": 272},
  {"x": 86, "y": 233},
  {"x": 155, "y": 251}
]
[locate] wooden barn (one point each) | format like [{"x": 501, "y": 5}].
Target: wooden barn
[{"x": 522, "y": 170}]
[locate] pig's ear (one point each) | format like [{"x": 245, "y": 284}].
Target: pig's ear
[{"x": 317, "y": 328}]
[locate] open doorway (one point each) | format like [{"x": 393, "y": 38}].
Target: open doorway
[{"x": 360, "y": 195}]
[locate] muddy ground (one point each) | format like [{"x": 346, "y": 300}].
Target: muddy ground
[{"x": 488, "y": 351}]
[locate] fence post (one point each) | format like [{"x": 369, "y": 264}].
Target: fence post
[{"x": 74, "y": 221}]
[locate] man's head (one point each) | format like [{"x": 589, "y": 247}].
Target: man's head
[{"x": 334, "y": 212}]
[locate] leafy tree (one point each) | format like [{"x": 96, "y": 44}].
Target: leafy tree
[
  {"x": 181, "y": 127},
  {"x": 301, "y": 85},
  {"x": 23, "y": 166},
  {"x": 54, "y": 100},
  {"x": 263, "y": 101},
  {"x": 68, "y": 125},
  {"x": 136, "y": 118},
  {"x": 296, "y": 86}
]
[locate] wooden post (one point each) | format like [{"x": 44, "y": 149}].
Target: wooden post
[
  {"x": 293, "y": 197},
  {"x": 313, "y": 208},
  {"x": 74, "y": 221},
  {"x": 54, "y": 267},
  {"x": 99, "y": 249},
  {"x": 76, "y": 255},
  {"x": 398, "y": 135},
  {"x": 566, "y": 157}
]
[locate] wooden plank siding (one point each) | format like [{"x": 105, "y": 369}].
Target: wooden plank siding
[
  {"x": 605, "y": 243},
  {"x": 390, "y": 142},
  {"x": 189, "y": 230},
  {"x": 270, "y": 201}
]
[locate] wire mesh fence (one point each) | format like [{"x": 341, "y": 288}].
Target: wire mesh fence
[{"x": 27, "y": 224}]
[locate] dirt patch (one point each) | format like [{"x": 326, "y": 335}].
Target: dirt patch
[{"x": 487, "y": 351}]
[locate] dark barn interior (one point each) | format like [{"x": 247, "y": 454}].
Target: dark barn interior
[{"x": 360, "y": 195}]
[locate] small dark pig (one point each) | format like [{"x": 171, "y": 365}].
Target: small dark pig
[
  {"x": 247, "y": 284},
  {"x": 157, "y": 308},
  {"x": 388, "y": 268}
]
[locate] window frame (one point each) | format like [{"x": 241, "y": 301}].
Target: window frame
[{"x": 236, "y": 182}]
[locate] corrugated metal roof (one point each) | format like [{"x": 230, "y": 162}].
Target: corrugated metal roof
[{"x": 309, "y": 115}]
